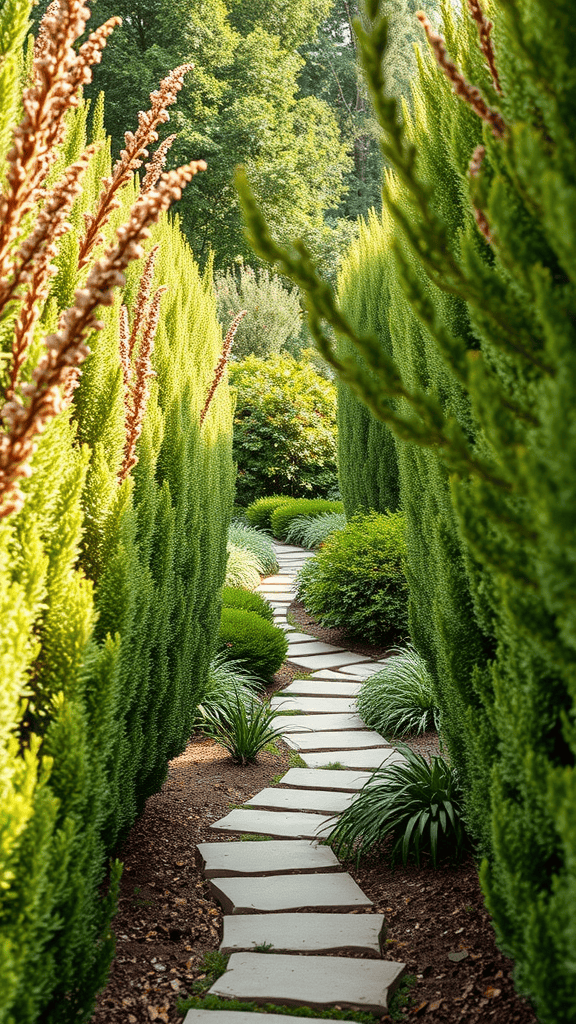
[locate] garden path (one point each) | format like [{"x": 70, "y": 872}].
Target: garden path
[{"x": 283, "y": 892}]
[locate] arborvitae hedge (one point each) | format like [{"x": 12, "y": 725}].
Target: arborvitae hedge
[
  {"x": 482, "y": 316},
  {"x": 367, "y": 465},
  {"x": 109, "y": 607}
]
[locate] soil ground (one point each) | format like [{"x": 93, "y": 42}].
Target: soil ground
[{"x": 168, "y": 920}]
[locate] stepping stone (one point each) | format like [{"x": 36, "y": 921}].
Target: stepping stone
[
  {"x": 272, "y": 857},
  {"x": 273, "y": 823},
  {"x": 242, "y": 1017},
  {"x": 321, "y": 688},
  {"x": 367, "y": 759},
  {"x": 314, "y": 705},
  {"x": 332, "y": 779},
  {"x": 279, "y": 893},
  {"x": 303, "y": 638},
  {"x": 327, "y": 660},
  {"x": 275, "y": 588},
  {"x": 284, "y": 549},
  {"x": 318, "y": 982},
  {"x": 305, "y": 933},
  {"x": 357, "y": 739},
  {"x": 365, "y": 669},
  {"x": 323, "y": 723},
  {"x": 322, "y": 801},
  {"x": 312, "y": 647},
  {"x": 328, "y": 673},
  {"x": 282, "y": 578}
]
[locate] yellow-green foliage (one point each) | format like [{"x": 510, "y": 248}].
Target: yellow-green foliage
[{"x": 109, "y": 610}]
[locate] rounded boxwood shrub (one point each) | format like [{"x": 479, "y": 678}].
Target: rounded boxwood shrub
[
  {"x": 236, "y": 597},
  {"x": 357, "y": 579},
  {"x": 283, "y": 515},
  {"x": 258, "y": 512},
  {"x": 247, "y": 637},
  {"x": 284, "y": 429}
]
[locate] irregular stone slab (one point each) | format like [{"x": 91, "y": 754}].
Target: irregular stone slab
[
  {"x": 313, "y": 647},
  {"x": 273, "y": 857},
  {"x": 358, "y": 739},
  {"x": 322, "y": 801},
  {"x": 334, "y": 779},
  {"x": 273, "y": 823},
  {"x": 367, "y": 759},
  {"x": 275, "y": 589},
  {"x": 277, "y": 894},
  {"x": 283, "y": 549},
  {"x": 365, "y": 669},
  {"x": 242, "y": 1017},
  {"x": 303, "y": 638},
  {"x": 327, "y": 660},
  {"x": 336, "y": 674},
  {"x": 314, "y": 705},
  {"x": 283, "y": 578},
  {"x": 322, "y": 688},
  {"x": 305, "y": 933},
  {"x": 323, "y": 723},
  {"x": 319, "y": 982}
]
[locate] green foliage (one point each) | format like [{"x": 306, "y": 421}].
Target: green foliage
[
  {"x": 247, "y": 637},
  {"x": 357, "y": 579},
  {"x": 259, "y": 511},
  {"x": 214, "y": 965},
  {"x": 243, "y": 568},
  {"x": 482, "y": 323},
  {"x": 400, "y": 1000},
  {"x": 281, "y": 517},
  {"x": 312, "y": 531},
  {"x": 236, "y": 597},
  {"x": 216, "y": 1003},
  {"x": 367, "y": 462},
  {"x": 245, "y": 536},
  {"x": 400, "y": 698},
  {"x": 244, "y": 731},
  {"x": 227, "y": 682},
  {"x": 274, "y": 315},
  {"x": 284, "y": 429},
  {"x": 416, "y": 804}
]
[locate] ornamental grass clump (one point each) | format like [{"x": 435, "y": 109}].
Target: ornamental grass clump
[
  {"x": 400, "y": 698},
  {"x": 416, "y": 804},
  {"x": 227, "y": 683},
  {"x": 312, "y": 531},
  {"x": 242, "y": 568},
  {"x": 282, "y": 516},
  {"x": 244, "y": 536},
  {"x": 247, "y": 729}
]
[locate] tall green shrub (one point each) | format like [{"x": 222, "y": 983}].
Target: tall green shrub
[
  {"x": 481, "y": 261},
  {"x": 108, "y": 592},
  {"x": 367, "y": 463},
  {"x": 273, "y": 318}
]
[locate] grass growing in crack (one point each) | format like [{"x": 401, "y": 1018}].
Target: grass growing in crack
[
  {"x": 401, "y": 998},
  {"x": 334, "y": 766},
  {"x": 263, "y": 947},
  {"x": 216, "y": 1003},
  {"x": 251, "y": 837},
  {"x": 213, "y": 964},
  {"x": 295, "y": 761}
]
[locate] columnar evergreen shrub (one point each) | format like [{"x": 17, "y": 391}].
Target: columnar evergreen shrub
[
  {"x": 281, "y": 517},
  {"x": 357, "y": 579},
  {"x": 284, "y": 429},
  {"x": 480, "y": 220},
  {"x": 112, "y": 549}
]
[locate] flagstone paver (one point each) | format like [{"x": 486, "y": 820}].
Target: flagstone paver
[
  {"x": 314, "y": 647},
  {"x": 322, "y": 801},
  {"x": 370, "y": 759},
  {"x": 305, "y": 933},
  {"x": 273, "y": 823},
  {"x": 325, "y": 723},
  {"x": 365, "y": 669},
  {"x": 243, "y": 1017},
  {"x": 356, "y": 739},
  {"x": 322, "y": 688},
  {"x": 271, "y": 857},
  {"x": 318, "y": 982},
  {"x": 333, "y": 779},
  {"x": 313, "y": 705},
  {"x": 327, "y": 660},
  {"x": 300, "y": 637},
  {"x": 335, "y": 674},
  {"x": 276, "y": 894}
]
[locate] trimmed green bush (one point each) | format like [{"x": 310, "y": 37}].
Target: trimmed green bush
[
  {"x": 417, "y": 803},
  {"x": 400, "y": 698},
  {"x": 281, "y": 517},
  {"x": 245, "y": 536},
  {"x": 258, "y": 512},
  {"x": 284, "y": 429},
  {"x": 248, "y": 638},
  {"x": 237, "y": 597},
  {"x": 242, "y": 568},
  {"x": 357, "y": 579},
  {"x": 312, "y": 531}
]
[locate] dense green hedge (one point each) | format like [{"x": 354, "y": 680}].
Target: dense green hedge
[
  {"x": 282, "y": 516},
  {"x": 259, "y": 512},
  {"x": 109, "y": 605},
  {"x": 236, "y": 597},
  {"x": 247, "y": 637}
]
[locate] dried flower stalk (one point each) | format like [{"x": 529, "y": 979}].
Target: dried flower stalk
[
  {"x": 221, "y": 365},
  {"x": 131, "y": 157},
  {"x": 156, "y": 165},
  {"x": 485, "y": 32},
  {"x": 67, "y": 349},
  {"x": 142, "y": 373},
  {"x": 141, "y": 307},
  {"x": 479, "y": 215},
  {"x": 469, "y": 93},
  {"x": 124, "y": 349}
]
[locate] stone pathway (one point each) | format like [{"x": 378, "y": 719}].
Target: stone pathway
[{"x": 284, "y": 893}]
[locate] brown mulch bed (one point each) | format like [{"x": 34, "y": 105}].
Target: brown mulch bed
[
  {"x": 340, "y": 637},
  {"x": 168, "y": 919}
]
